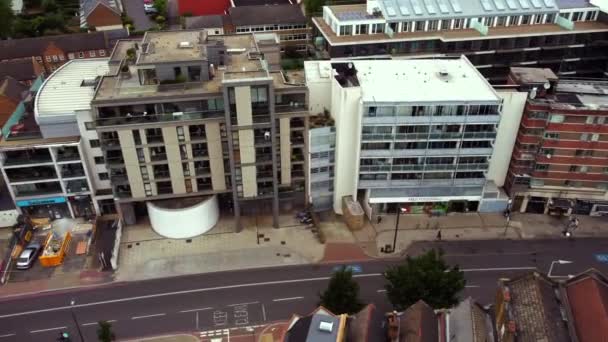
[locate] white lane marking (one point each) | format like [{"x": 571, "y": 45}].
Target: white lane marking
[
  {"x": 7, "y": 335},
  {"x": 166, "y": 294},
  {"x": 472, "y": 286},
  {"x": 194, "y": 310},
  {"x": 239, "y": 304},
  {"x": 497, "y": 269},
  {"x": 381, "y": 290},
  {"x": 90, "y": 323},
  {"x": 148, "y": 316},
  {"x": 286, "y": 299},
  {"x": 49, "y": 329},
  {"x": 264, "y": 312}
]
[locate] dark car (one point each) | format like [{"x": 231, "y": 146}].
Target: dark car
[{"x": 28, "y": 256}]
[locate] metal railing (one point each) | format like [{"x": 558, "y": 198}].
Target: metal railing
[{"x": 151, "y": 118}]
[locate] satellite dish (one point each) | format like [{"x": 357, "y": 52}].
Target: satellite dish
[
  {"x": 547, "y": 85},
  {"x": 548, "y": 156}
]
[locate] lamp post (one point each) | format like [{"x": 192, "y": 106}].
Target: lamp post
[
  {"x": 72, "y": 302},
  {"x": 399, "y": 211}
]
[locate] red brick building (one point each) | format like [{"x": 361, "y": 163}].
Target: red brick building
[
  {"x": 559, "y": 163},
  {"x": 50, "y": 52},
  {"x": 101, "y": 14},
  {"x": 24, "y": 70}
]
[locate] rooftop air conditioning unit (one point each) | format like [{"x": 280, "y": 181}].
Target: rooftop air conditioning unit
[
  {"x": 185, "y": 45},
  {"x": 326, "y": 326}
]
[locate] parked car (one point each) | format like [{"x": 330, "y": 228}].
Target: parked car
[
  {"x": 149, "y": 8},
  {"x": 28, "y": 256}
]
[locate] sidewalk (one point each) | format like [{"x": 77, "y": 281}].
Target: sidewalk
[{"x": 374, "y": 237}]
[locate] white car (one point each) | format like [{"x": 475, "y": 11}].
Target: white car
[
  {"x": 28, "y": 256},
  {"x": 149, "y": 8}
]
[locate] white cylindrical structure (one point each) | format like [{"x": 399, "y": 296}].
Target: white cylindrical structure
[{"x": 183, "y": 223}]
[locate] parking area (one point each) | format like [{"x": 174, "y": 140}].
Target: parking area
[
  {"x": 135, "y": 10},
  {"x": 75, "y": 259}
]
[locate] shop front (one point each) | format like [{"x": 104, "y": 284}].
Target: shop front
[
  {"x": 51, "y": 207},
  {"x": 432, "y": 206}
]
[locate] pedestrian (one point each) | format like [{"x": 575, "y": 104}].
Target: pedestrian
[
  {"x": 439, "y": 235},
  {"x": 379, "y": 219}
]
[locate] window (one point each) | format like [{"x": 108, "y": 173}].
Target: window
[
  {"x": 377, "y": 28},
  {"x": 572, "y": 168},
  {"x": 551, "y": 135},
  {"x": 94, "y": 143},
  {"x": 61, "y": 58},
  {"x": 433, "y": 25},
  {"x": 538, "y": 19},
  {"x": 547, "y": 151},
  {"x": 541, "y": 167},
  {"x": 92, "y": 53},
  {"x": 55, "y": 58},
  {"x": 595, "y": 137},
  {"x": 148, "y": 189},
  {"x": 583, "y": 153},
  {"x": 405, "y": 26},
  {"x": 584, "y": 137},
  {"x": 459, "y": 23},
  {"x": 361, "y": 29},
  {"x": 600, "y": 120},
  {"x": 102, "y": 53},
  {"x": 512, "y": 20},
  {"x": 346, "y": 30},
  {"x": 445, "y": 24},
  {"x": 526, "y": 19},
  {"x": 577, "y": 16},
  {"x": 589, "y": 16},
  {"x": 550, "y": 18},
  {"x": 501, "y": 21},
  {"x": 89, "y": 125},
  {"x": 419, "y": 25},
  {"x": 39, "y": 59},
  {"x": 538, "y": 115},
  {"x": 103, "y": 176},
  {"x": 48, "y": 59},
  {"x": 70, "y": 55},
  {"x": 259, "y": 94},
  {"x": 81, "y": 54},
  {"x": 583, "y": 168},
  {"x": 99, "y": 160},
  {"x": 557, "y": 118}
]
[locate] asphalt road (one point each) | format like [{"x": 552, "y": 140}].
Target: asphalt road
[
  {"x": 135, "y": 10},
  {"x": 250, "y": 297}
]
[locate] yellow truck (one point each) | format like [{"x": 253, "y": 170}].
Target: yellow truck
[{"x": 55, "y": 248}]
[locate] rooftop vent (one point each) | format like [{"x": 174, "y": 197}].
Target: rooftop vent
[
  {"x": 443, "y": 72},
  {"x": 185, "y": 45},
  {"x": 326, "y": 326}
]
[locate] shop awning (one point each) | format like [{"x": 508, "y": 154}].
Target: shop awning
[{"x": 425, "y": 194}]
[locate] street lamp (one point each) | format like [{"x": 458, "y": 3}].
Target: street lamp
[
  {"x": 399, "y": 211},
  {"x": 72, "y": 302},
  {"x": 561, "y": 262}
]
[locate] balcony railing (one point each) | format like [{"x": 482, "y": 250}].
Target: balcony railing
[
  {"x": 290, "y": 107},
  {"x": 154, "y": 139},
  {"x": 202, "y": 171},
  {"x": 158, "y": 157},
  {"x": 162, "y": 190},
  {"x": 72, "y": 173},
  {"x": 161, "y": 174},
  {"x": 115, "y": 160},
  {"x": 119, "y": 179},
  {"x": 26, "y": 160},
  {"x": 38, "y": 192},
  {"x": 152, "y": 118}
]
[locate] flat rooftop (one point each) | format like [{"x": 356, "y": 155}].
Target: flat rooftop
[
  {"x": 172, "y": 46},
  {"x": 458, "y": 35},
  {"x": 69, "y": 89},
  {"x": 419, "y": 81}
]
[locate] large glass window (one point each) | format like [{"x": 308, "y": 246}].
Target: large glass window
[{"x": 346, "y": 30}]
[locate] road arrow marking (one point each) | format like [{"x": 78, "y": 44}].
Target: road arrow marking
[{"x": 286, "y": 299}]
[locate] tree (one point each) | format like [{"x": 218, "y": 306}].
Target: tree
[
  {"x": 104, "y": 332},
  {"x": 6, "y": 18},
  {"x": 313, "y": 6},
  {"x": 161, "y": 7},
  {"x": 49, "y": 5},
  {"x": 425, "y": 277},
  {"x": 342, "y": 293}
]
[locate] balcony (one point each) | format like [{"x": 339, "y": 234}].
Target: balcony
[
  {"x": 281, "y": 108},
  {"x": 202, "y": 171},
  {"x": 72, "y": 171},
  {"x": 158, "y": 156},
  {"x": 76, "y": 186},
  {"x": 31, "y": 174},
  {"x": 111, "y": 143},
  {"x": 118, "y": 179},
  {"x": 123, "y": 191},
  {"x": 27, "y": 157},
  {"x": 140, "y": 118},
  {"x": 154, "y": 139},
  {"x": 68, "y": 153},
  {"x": 164, "y": 188},
  {"x": 471, "y": 167},
  {"x": 479, "y": 135},
  {"x": 115, "y": 160},
  {"x": 37, "y": 189}
]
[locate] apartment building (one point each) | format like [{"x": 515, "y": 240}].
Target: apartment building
[
  {"x": 560, "y": 159},
  {"x": 414, "y": 134},
  {"x": 43, "y": 151},
  {"x": 194, "y": 125},
  {"x": 566, "y": 36}
]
